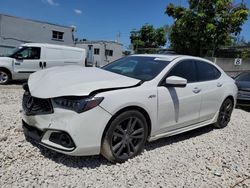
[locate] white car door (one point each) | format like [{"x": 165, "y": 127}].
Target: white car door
[
  {"x": 179, "y": 107},
  {"x": 28, "y": 60},
  {"x": 212, "y": 89}
]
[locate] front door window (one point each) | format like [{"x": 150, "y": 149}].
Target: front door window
[{"x": 28, "y": 53}]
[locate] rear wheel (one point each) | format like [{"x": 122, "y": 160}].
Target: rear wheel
[
  {"x": 126, "y": 137},
  {"x": 4, "y": 77},
  {"x": 224, "y": 114}
]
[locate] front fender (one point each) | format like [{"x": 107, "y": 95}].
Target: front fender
[
  {"x": 145, "y": 98},
  {"x": 7, "y": 63}
]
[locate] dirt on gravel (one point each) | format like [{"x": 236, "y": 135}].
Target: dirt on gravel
[{"x": 205, "y": 157}]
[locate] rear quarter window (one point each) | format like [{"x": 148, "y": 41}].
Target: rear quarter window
[{"x": 207, "y": 71}]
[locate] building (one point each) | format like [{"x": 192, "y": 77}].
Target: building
[
  {"x": 15, "y": 31},
  {"x": 100, "y": 53}
]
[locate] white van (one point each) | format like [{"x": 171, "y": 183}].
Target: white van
[{"x": 31, "y": 57}]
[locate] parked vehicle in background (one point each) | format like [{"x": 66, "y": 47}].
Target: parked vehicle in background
[
  {"x": 116, "y": 109},
  {"x": 31, "y": 57},
  {"x": 166, "y": 52},
  {"x": 243, "y": 83}
]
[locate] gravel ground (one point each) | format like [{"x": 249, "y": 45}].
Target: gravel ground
[{"x": 205, "y": 157}]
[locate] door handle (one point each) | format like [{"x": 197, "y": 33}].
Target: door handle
[
  {"x": 196, "y": 90},
  {"x": 219, "y": 84},
  {"x": 40, "y": 64},
  {"x": 44, "y": 64}
]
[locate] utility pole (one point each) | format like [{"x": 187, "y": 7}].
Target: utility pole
[{"x": 118, "y": 36}]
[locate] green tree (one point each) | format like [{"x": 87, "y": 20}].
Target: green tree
[
  {"x": 205, "y": 25},
  {"x": 148, "y": 38}
]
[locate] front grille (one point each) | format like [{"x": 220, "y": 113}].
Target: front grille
[{"x": 36, "y": 106}]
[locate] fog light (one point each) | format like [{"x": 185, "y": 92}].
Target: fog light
[
  {"x": 62, "y": 138},
  {"x": 65, "y": 140}
]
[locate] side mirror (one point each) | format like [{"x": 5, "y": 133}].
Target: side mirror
[
  {"x": 176, "y": 81},
  {"x": 19, "y": 56}
]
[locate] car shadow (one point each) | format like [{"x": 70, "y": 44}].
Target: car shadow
[
  {"x": 93, "y": 162},
  {"x": 17, "y": 82},
  {"x": 178, "y": 138}
]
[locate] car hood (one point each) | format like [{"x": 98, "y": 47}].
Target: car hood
[
  {"x": 75, "y": 81},
  {"x": 5, "y": 59},
  {"x": 243, "y": 85}
]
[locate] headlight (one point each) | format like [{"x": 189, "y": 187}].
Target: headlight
[{"x": 78, "y": 104}]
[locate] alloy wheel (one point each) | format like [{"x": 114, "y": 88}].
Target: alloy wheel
[
  {"x": 225, "y": 113},
  {"x": 127, "y": 138},
  {"x": 3, "y": 77}
]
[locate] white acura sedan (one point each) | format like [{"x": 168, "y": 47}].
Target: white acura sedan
[{"x": 114, "y": 110}]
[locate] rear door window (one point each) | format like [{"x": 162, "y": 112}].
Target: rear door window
[
  {"x": 185, "y": 69},
  {"x": 207, "y": 71}
]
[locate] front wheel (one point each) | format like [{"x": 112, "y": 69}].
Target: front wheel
[
  {"x": 4, "y": 77},
  {"x": 224, "y": 114},
  {"x": 126, "y": 137}
]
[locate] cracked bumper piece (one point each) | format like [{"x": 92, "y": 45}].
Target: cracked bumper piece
[{"x": 68, "y": 132}]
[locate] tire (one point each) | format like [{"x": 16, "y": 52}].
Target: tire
[
  {"x": 4, "y": 77},
  {"x": 125, "y": 137},
  {"x": 225, "y": 112}
]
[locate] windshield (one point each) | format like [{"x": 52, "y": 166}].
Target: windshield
[
  {"x": 243, "y": 77},
  {"x": 142, "y": 68},
  {"x": 15, "y": 51}
]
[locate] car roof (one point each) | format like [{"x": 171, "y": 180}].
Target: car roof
[
  {"x": 51, "y": 46},
  {"x": 160, "y": 56},
  {"x": 170, "y": 57}
]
